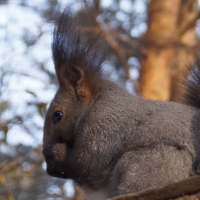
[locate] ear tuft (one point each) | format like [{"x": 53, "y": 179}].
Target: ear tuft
[{"x": 78, "y": 64}]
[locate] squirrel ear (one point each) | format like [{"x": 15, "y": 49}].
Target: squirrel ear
[
  {"x": 78, "y": 64},
  {"x": 73, "y": 77}
]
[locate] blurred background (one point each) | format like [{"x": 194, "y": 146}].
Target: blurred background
[{"x": 148, "y": 43}]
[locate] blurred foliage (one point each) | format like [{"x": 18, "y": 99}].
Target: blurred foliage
[{"x": 22, "y": 176}]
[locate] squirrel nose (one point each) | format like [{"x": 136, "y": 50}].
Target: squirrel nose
[{"x": 47, "y": 152}]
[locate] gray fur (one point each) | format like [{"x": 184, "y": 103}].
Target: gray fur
[{"x": 111, "y": 142}]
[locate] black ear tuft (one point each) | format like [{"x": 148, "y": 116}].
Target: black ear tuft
[
  {"x": 74, "y": 59},
  {"x": 66, "y": 40}
]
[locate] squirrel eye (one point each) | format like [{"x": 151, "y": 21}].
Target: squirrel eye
[{"x": 57, "y": 116}]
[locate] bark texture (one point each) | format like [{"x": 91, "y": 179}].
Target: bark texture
[{"x": 168, "y": 45}]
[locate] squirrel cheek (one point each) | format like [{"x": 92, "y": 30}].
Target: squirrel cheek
[{"x": 60, "y": 152}]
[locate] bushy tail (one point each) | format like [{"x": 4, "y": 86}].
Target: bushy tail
[{"x": 192, "y": 85}]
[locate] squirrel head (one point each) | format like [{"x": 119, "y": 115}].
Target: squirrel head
[{"x": 78, "y": 69}]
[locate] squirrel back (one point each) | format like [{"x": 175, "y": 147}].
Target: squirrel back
[{"x": 104, "y": 138}]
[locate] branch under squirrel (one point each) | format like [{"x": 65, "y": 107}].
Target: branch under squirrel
[{"x": 186, "y": 187}]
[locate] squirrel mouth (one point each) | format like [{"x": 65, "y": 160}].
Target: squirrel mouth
[
  {"x": 55, "y": 156},
  {"x": 55, "y": 171}
]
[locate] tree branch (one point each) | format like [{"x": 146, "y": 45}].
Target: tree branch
[{"x": 179, "y": 189}]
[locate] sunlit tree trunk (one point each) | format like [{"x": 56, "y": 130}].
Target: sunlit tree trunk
[
  {"x": 170, "y": 23},
  {"x": 189, "y": 13}
]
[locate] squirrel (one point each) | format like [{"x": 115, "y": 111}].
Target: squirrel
[{"x": 111, "y": 142}]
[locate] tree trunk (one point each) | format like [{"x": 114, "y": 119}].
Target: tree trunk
[
  {"x": 185, "y": 53},
  {"x": 169, "y": 24}
]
